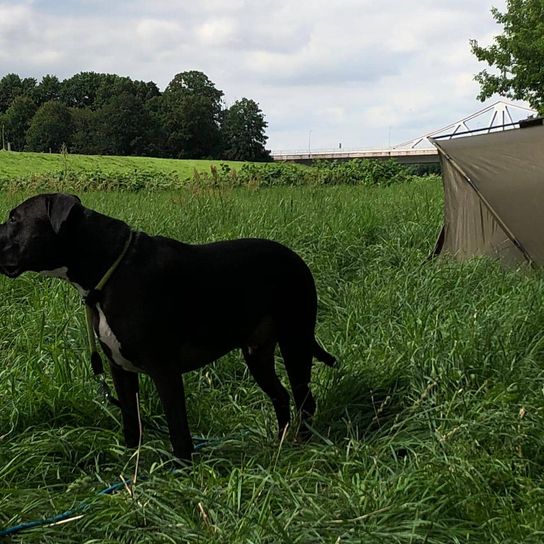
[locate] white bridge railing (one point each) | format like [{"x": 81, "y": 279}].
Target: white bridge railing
[{"x": 492, "y": 118}]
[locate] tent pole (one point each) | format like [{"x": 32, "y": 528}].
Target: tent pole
[{"x": 508, "y": 232}]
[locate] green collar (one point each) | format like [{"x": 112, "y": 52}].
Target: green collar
[
  {"x": 100, "y": 285},
  {"x": 91, "y": 300}
]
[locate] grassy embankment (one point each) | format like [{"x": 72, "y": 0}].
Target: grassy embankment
[
  {"x": 431, "y": 429},
  {"x": 15, "y": 165}
]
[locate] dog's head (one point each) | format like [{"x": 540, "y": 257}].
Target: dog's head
[{"x": 32, "y": 237}]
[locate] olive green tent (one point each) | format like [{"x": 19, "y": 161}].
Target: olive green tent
[{"x": 494, "y": 193}]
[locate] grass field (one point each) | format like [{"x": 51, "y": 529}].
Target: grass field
[
  {"x": 13, "y": 165},
  {"x": 431, "y": 430}
]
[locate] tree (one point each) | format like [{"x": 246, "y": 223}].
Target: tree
[
  {"x": 48, "y": 89},
  {"x": 113, "y": 85},
  {"x": 123, "y": 126},
  {"x": 80, "y": 90},
  {"x": 516, "y": 54},
  {"x": 146, "y": 90},
  {"x": 243, "y": 132},
  {"x": 16, "y": 121},
  {"x": 12, "y": 86},
  {"x": 85, "y": 138},
  {"x": 51, "y": 128},
  {"x": 158, "y": 137},
  {"x": 190, "y": 114}
]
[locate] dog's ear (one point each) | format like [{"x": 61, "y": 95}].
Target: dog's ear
[{"x": 59, "y": 206}]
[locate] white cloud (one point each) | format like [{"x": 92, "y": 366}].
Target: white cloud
[
  {"x": 357, "y": 71},
  {"x": 157, "y": 33}
]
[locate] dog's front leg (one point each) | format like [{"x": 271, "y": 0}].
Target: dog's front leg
[
  {"x": 169, "y": 385},
  {"x": 126, "y": 386}
]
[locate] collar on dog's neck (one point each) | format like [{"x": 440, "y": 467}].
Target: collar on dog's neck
[
  {"x": 93, "y": 296},
  {"x": 91, "y": 300}
]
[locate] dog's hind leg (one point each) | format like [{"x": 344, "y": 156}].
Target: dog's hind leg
[
  {"x": 297, "y": 356},
  {"x": 260, "y": 361}
]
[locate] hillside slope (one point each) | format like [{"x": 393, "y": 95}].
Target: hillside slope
[{"x": 14, "y": 164}]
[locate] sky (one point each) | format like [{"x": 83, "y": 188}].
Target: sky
[{"x": 360, "y": 73}]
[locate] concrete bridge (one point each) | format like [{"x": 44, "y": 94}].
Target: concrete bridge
[
  {"x": 498, "y": 116},
  {"x": 407, "y": 156}
]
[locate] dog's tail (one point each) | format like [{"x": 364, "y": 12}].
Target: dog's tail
[{"x": 324, "y": 356}]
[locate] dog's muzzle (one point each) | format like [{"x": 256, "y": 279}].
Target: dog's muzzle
[{"x": 9, "y": 262}]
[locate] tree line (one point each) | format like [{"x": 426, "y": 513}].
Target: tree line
[{"x": 106, "y": 114}]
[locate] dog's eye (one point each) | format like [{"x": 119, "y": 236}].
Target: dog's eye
[{"x": 12, "y": 219}]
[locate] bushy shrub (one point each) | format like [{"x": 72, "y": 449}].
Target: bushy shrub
[
  {"x": 362, "y": 171},
  {"x": 94, "y": 180},
  {"x": 274, "y": 174},
  {"x": 355, "y": 172}
]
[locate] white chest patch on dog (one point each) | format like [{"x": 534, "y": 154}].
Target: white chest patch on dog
[
  {"x": 62, "y": 273},
  {"x": 106, "y": 335}
]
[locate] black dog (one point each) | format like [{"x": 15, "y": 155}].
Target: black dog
[{"x": 165, "y": 307}]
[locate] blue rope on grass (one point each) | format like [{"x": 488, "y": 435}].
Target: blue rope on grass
[{"x": 82, "y": 506}]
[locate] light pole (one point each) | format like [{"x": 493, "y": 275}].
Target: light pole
[{"x": 310, "y": 142}]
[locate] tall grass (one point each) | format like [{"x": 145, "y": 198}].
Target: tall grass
[{"x": 431, "y": 429}]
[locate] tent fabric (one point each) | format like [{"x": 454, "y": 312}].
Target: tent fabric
[
  {"x": 470, "y": 229},
  {"x": 498, "y": 210}
]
